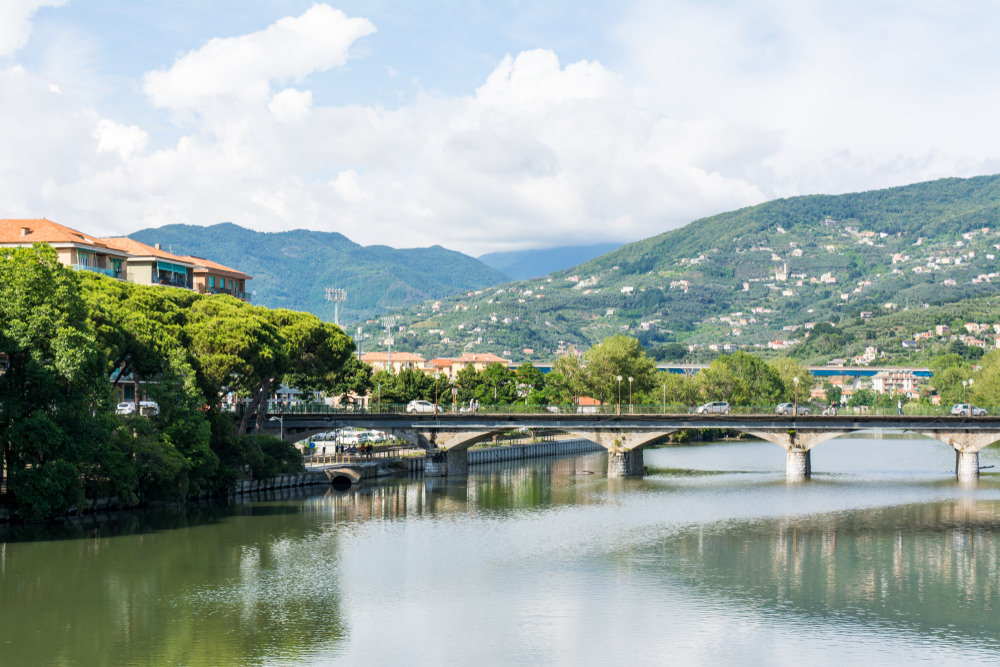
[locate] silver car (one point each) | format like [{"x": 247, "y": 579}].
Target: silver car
[
  {"x": 966, "y": 409},
  {"x": 790, "y": 409},
  {"x": 713, "y": 408}
]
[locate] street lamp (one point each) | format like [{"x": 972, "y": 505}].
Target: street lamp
[
  {"x": 664, "y": 397},
  {"x": 619, "y": 394},
  {"x": 630, "y": 394},
  {"x": 281, "y": 425},
  {"x": 379, "y": 397},
  {"x": 795, "y": 410}
]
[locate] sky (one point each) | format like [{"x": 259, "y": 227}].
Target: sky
[{"x": 481, "y": 125}]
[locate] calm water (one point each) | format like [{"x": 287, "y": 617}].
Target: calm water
[{"x": 711, "y": 559}]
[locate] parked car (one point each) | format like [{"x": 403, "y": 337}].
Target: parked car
[
  {"x": 966, "y": 409},
  {"x": 713, "y": 408},
  {"x": 146, "y": 408},
  {"x": 789, "y": 408},
  {"x": 422, "y": 406}
]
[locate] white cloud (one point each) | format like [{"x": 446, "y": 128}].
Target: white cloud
[
  {"x": 124, "y": 140},
  {"x": 15, "y": 22},
  {"x": 713, "y": 107},
  {"x": 244, "y": 67},
  {"x": 291, "y": 105}
]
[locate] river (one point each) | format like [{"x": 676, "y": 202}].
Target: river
[{"x": 711, "y": 559}]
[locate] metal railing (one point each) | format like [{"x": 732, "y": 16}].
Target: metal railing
[{"x": 908, "y": 409}]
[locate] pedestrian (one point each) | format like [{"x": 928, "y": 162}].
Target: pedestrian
[{"x": 899, "y": 407}]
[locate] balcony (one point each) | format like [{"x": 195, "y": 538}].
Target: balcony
[
  {"x": 174, "y": 282},
  {"x": 110, "y": 273}
]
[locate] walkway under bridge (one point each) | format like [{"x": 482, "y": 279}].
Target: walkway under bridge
[{"x": 448, "y": 436}]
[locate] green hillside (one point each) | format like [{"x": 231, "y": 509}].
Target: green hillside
[
  {"x": 293, "y": 269},
  {"x": 742, "y": 278}
]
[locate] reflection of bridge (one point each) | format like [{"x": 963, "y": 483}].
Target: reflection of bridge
[{"x": 625, "y": 436}]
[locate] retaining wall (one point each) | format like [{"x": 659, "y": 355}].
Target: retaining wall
[{"x": 535, "y": 450}]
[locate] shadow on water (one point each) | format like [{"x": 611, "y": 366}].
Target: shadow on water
[{"x": 154, "y": 519}]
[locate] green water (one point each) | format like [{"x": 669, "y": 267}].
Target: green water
[{"x": 712, "y": 559}]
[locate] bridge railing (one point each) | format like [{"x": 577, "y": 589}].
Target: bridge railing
[{"x": 319, "y": 408}]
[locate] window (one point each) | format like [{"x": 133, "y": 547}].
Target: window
[{"x": 211, "y": 281}]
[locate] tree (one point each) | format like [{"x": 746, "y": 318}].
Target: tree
[
  {"x": 54, "y": 398},
  {"x": 617, "y": 356},
  {"x": 741, "y": 379},
  {"x": 788, "y": 369},
  {"x": 497, "y": 385}
]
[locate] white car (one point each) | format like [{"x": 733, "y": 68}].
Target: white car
[
  {"x": 966, "y": 409},
  {"x": 422, "y": 406},
  {"x": 713, "y": 408},
  {"x": 146, "y": 408}
]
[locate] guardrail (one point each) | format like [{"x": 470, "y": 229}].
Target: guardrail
[{"x": 909, "y": 409}]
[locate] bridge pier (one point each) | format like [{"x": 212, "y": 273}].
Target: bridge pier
[
  {"x": 625, "y": 463},
  {"x": 798, "y": 465},
  {"x": 796, "y": 443},
  {"x": 966, "y": 466}
]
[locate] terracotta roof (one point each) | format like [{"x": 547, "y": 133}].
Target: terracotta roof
[
  {"x": 441, "y": 362},
  {"x": 137, "y": 249},
  {"x": 40, "y": 230},
  {"x": 207, "y": 265}
]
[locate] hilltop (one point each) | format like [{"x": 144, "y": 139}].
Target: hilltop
[
  {"x": 759, "y": 277},
  {"x": 293, "y": 269}
]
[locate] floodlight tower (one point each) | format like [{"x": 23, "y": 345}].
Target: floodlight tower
[
  {"x": 388, "y": 322},
  {"x": 336, "y": 295}
]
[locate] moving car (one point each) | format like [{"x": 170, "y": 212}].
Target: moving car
[
  {"x": 422, "y": 406},
  {"x": 713, "y": 408},
  {"x": 966, "y": 409},
  {"x": 789, "y": 408}
]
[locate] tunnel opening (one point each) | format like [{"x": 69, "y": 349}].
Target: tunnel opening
[{"x": 341, "y": 482}]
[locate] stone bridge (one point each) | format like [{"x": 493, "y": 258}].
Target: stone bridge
[{"x": 625, "y": 436}]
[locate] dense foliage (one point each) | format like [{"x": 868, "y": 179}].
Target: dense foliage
[{"x": 70, "y": 340}]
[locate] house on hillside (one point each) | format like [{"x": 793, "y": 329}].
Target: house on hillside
[
  {"x": 393, "y": 361},
  {"x": 75, "y": 249}
]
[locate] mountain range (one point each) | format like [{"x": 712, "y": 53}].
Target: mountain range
[
  {"x": 524, "y": 264},
  {"x": 758, "y": 277},
  {"x": 293, "y": 269}
]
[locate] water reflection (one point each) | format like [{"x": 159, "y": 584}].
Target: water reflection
[
  {"x": 932, "y": 568},
  {"x": 541, "y": 561}
]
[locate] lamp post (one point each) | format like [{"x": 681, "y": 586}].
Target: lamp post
[
  {"x": 630, "y": 394},
  {"x": 380, "y": 397},
  {"x": 664, "y": 397},
  {"x": 619, "y": 394},
  {"x": 281, "y": 425},
  {"x": 795, "y": 410}
]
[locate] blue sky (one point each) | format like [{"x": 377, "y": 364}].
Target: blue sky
[{"x": 481, "y": 126}]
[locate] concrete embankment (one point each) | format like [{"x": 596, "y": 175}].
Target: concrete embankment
[{"x": 531, "y": 451}]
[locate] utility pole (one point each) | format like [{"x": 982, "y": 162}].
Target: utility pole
[{"x": 336, "y": 295}]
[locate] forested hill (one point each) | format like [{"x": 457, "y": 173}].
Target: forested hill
[
  {"x": 293, "y": 269},
  {"x": 744, "y": 278}
]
